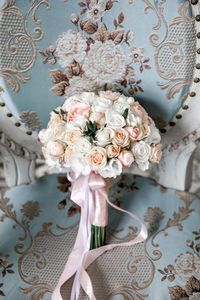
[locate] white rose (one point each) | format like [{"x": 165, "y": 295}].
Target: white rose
[
  {"x": 102, "y": 104},
  {"x": 130, "y": 100},
  {"x": 132, "y": 120},
  {"x": 112, "y": 169},
  {"x": 142, "y": 152},
  {"x": 120, "y": 106},
  {"x": 154, "y": 137},
  {"x": 115, "y": 120},
  {"x": 88, "y": 97},
  {"x": 83, "y": 145},
  {"x": 79, "y": 165},
  {"x": 104, "y": 136}
]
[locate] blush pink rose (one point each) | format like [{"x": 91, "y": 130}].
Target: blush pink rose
[
  {"x": 138, "y": 133},
  {"x": 98, "y": 117},
  {"x": 133, "y": 132},
  {"x": 78, "y": 110},
  {"x": 139, "y": 111},
  {"x": 55, "y": 149},
  {"x": 112, "y": 151},
  {"x": 126, "y": 158},
  {"x": 68, "y": 104}
]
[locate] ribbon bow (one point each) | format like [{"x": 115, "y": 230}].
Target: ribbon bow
[{"x": 89, "y": 192}]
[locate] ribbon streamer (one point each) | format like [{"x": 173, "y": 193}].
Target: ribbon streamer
[{"x": 85, "y": 190}]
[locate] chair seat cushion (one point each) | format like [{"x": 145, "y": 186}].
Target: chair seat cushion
[{"x": 39, "y": 225}]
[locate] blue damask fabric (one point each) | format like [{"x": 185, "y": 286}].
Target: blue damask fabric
[
  {"x": 145, "y": 48},
  {"x": 39, "y": 226}
]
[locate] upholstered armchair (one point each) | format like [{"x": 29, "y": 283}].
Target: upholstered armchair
[{"x": 149, "y": 49}]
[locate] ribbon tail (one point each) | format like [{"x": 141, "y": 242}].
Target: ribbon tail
[{"x": 82, "y": 240}]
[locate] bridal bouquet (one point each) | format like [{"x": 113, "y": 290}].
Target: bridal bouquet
[{"x": 93, "y": 137}]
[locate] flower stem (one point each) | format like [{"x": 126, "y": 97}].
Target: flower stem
[{"x": 98, "y": 237}]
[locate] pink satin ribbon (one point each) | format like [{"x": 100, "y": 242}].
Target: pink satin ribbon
[{"x": 84, "y": 190}]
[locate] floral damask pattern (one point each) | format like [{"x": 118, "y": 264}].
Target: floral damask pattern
[
  {"x": 44, "y": 236},
  {"x": 175, "y": 44},
  {"x": 93, "y": 55},
  {"x": 18, "y": 44},
  {"x": 5, "y": 269}
]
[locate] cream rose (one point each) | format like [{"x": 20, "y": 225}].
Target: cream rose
[
  {"x": 156, "y": 153},
  {"x": 115, "y": 120},
  {"x": 112, "y": 169},
  {"x": 121, "y": 138},
  {"x": 142, "y": 152},
  {"x": 97, "y": 158},
  {"x": 69, "y": 152},
  {"x": 112, "y": 151},
  {"x": 59, "y": 131},
  {"x": 83, "y": 145},
  {"x": 71, "y": 136},
  {"x": 113, "y": 96},
  {"x": 102, "y": 104},
  {"x": 55, "y": 149},
  {"x": 126, "y": 158},
  {"x": 104, "y": 136}
]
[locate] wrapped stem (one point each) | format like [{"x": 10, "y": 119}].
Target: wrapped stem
[{"x": 98, "y": 236}]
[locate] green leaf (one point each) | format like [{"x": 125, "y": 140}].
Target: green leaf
[
  {"x": 105, "y": 88},
  {"x": 125, "y": 113},
  {"x": 62, "y": 112}
]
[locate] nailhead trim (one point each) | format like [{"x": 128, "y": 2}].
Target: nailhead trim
[
  {"x": 197, "y": 18},
  {"x": 192, "y": 94},
  {"x": 194, "y": 2},
  {"x": 196, "y": 80}
]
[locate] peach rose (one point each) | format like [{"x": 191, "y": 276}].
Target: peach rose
[
  {"x": 121, "y": 138},
  {"x": 72, "y": 136},
  {"x": 139, "y": 111},
  {"x": 77, "y": 111},
  {"x": 97, "y": 158},
  {"x": 55, "y": 149},
  {"x": 98, "y": 117},
  {"x": 112, "y": 151},
  {"x": 156, "y": 153},
  {"x": 126, "y": 158}
]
